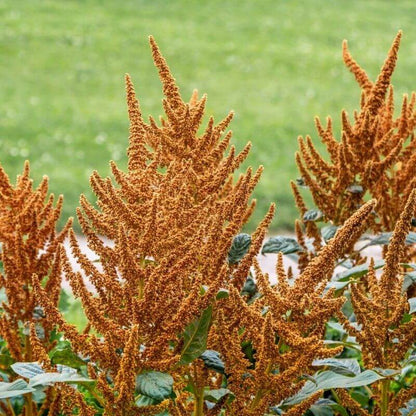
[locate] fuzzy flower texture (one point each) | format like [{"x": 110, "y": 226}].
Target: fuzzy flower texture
[{"x": 166, "y": 305}]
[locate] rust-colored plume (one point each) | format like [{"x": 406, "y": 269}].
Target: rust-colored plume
[
  {"x": 170, "y": 219},
  {"x": 374, "y": 156},
  {"x": 29, "y": 246}
]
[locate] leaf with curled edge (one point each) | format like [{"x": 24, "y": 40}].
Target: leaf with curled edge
[
  {"x": 285, "y": 245},
  {"x": 14, "y": 389},
  {"x": 327, "y": 380}
]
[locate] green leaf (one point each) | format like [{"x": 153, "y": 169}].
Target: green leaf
[
  {"x": 239, "y": 247},
  {"x": 355, "y": 189},
  {"x": 213, "y": 360},
  {"x": 357, "y": 271},
  {"x": 6, "y": 360},
  {"x": 64, "y": 375},
  {"x": 146, "y": 401},
  {"x": 338, "y": 285},
  {"x": 64, "y": 301},
  {"x": 17, "y": 388},
  {"x": 409, "y": 280},
  {"x": 156, "y": 385},
  {"x": 195, "y": 337},
  {"x": 215, "y": 395},
  {"x": 65, "y": 356},
  {"x": 301, "y": 182},
  {"x": 250, "y": 287},
  {"x": 345, "y": 366},
  {"x": 381, "y": 239},
  {"x": 411, "y": 238},
  {"x": 412, "y": 303},
  {"x": 384, "y": 238},
  {"x": 285, "y": 245},
  {"x": 330, "y": 380},
  {"x": 313, "y": 215},
  {"x": 27, "y": 370},
  {"x": 325, "y": 407},
  {"x": 222, "y": 294},
  {"x": 410, "y": 409},
  {"x": 328, "y": 232}
]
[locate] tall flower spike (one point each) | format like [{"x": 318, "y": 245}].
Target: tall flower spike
[
  {"x": 373, "y": 157},
  {"x": 380, "y": 308},
  {"x": 171, "y": 219},
  {"x": 30, "y": 244}
]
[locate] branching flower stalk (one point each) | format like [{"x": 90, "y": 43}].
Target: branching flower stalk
[
  {"x": 29, "y": 246},
  {"x": 292, "y": 319},
  {"x": 171, "y": 217},
  {"x": 375, "y": 155},
  {"x": 380, "y": 307}
]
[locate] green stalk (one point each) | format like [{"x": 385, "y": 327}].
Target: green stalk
[
  {"x": 199, "y": 402},
  {"x": 385, "y": 384},
  {"x": 9, "y": 404}
]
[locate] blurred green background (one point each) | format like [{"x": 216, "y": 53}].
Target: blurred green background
[{"x": 276, "y": 63}]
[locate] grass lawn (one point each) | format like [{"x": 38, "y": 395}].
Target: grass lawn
[{"x": 276, "y": 63}]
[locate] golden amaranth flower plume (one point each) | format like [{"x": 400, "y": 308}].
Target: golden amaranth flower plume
[
  {"x": 375, "y": 154},
  {"x": 171, "y": 218},
  {"x": 380, "y": 307},
  {"x": 284, "y": 327},
  {"x": 29, "y": 245}
]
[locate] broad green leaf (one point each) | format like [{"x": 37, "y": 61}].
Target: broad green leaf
[
  {"x": 222, "y": 294},
  {"x": 326, "y": 380},
  {"x": 357, "y": 271},
  {"x": 27, "y": 370},
  {"x": 64, "y": 375},
  {"x": 148, "y": 401},
  {"x": 156, "y": 385},
  {"x": 328, "y": 232},
  {"x": 17, "y": 388},
  {"x": 336, "y": 326},
  {"x": 345, "y": 366},
  {"x": 410, "y": 409},
  {"x": 411, "y": 238},
  {"x": 409, "y": 280},
  {"x": 325, "y": 407},
  {"x": 338, "y": 285},
  {"x": 195, "y": 337},
  {"x": 213, "y": 360},
  {"x": 64, "y": 355},
  {"x": 384, "y": 238},
  {"x": 313, "y": 215},
  {"x": 285, "y": 245},
  {"x": 239, "y": 247},
  {"x": 215, "y": 395},
  {"x": 144, "y": 400},
  {"x": 379, "y": 240},
  {"x": 412, "y": 303},
  {"x": 250, "y": 287}
]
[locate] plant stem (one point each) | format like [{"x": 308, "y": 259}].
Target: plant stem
[
  {"x": 9, "y": 404},
  {"x": 29, "y": 404},
  {"x": 199, "y": 402},
  {"x": 385, "y": 384},
  {"x": 256, "y": 399}
]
